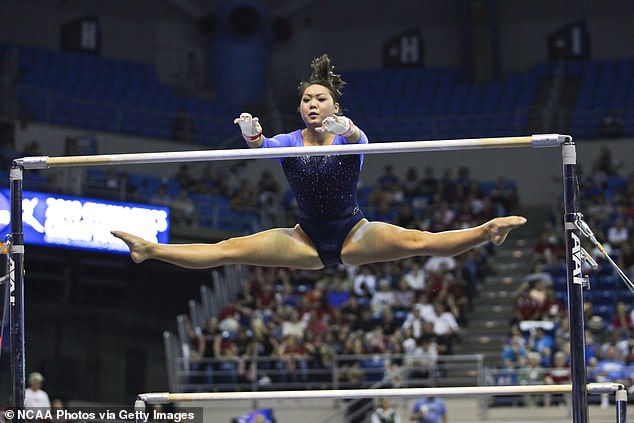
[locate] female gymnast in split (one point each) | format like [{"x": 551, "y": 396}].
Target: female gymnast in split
[{"x": 331, "y": 226}]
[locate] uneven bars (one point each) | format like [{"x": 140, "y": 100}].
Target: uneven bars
[
  {"x": 536, "y": 141},
  {"x": 164, "y": 397}
]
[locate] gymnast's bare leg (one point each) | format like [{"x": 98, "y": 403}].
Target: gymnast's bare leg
[
  {"x": 371, "y": 242},
  {"x": 288, "y": 247},
  {"x": 368, "y": 242}
]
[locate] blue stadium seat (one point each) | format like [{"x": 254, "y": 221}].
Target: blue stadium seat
[
  {"x": 90, "y": 79},
  {"x": 605, "y": 282},
  {"x": 603, "y": 297}
]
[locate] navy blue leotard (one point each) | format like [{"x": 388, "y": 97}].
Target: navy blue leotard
[{"x": 325, "y": 188}]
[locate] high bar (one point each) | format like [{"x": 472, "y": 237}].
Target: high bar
[
  {"x": 536, "y": 141},
  {"x": 164, "y": 397}
]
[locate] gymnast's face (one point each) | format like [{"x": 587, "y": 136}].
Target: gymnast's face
[{"x": 316, "y": 104}]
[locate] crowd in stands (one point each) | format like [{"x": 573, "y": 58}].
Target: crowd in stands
[
  {"x": 411, "y": 311},
  {"x": 538, "y": 350}
]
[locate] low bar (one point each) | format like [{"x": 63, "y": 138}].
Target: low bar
[
  {"x": 537, "y": 141},
  {"x": 164, "y": 397}
]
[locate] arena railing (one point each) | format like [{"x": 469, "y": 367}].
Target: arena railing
[{"x": 190, "y": 374}]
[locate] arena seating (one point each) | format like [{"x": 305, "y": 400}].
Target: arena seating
[{"x": 91, "y": 92}]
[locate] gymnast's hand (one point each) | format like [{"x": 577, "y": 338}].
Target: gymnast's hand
[
  {"x": 338, "y": 125},
  {"x": 250, "y": 127}
]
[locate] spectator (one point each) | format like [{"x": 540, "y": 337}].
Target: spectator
[
  {"x": 337, "y": 296},
  {"x": 414, "y": 275},
  {"x": 549, "y": 247},
  {"x": 435, "y": 264},
  {"x": 610, "y": 369},
  {"x": 183, "y": 210},
  {"x": 532, "y": 374},
  {"x": 542, "y": 342},
  {"x": 594, "y": 322},
  {"x": 446, "y": 328},
  {"x": 503, "y": 196},
  {"x": 244, "y": 197},
  {"x": 414, "y": 322},
  {"x": 383, "y": 298},
  {"x": 384, "y": 413},
  {"x": 266, "y": 345},
  {"x": 245, "y": 348},
  {"x": 184, "y": 178},
  {"x": 421, "y": 357},
  {"x": 429, "y": 184},
  {"x": 35, "y": 396},
  {"x": 558, "y": 374},
  {"x": 389, "y": 183},
  {"x": 365, "y": 322},
  {"x": 365, "y": 282},
  {"x": 620, "y": 344},
  {"x": 426, "y": 308},
  {"x": 316, "y": 324},
  {"x": 525, "y": 305},
  {"x": 514, "y": 354},
  {"x": 210, "y": 347},
  {"x": 429, "y": 410},
  {"x": 270, "y": 210},
  {"x": 626, "y": 256},
  {"x": 447, "y": 190},
  {"x": 411, "y": 186},
  {"x": 388, "y": 180},
  {"x": 618, "y": 232},
  {"x": 539, "y": 272},
  {"x": 464, "y": 181},
  {"x": 161, "y": 197},
  {"x": 266, "y": 300},
  {"x": 267, "y": 183},
  {"x": 293, "y": 325},
  {"x": 404, "y": 297},
  {"x": 228, "y": 359},
  {"x": 592, "y": 349},
  {"x": 406, "y": 218},
  {"x": 376, "y": 341},
  {"x": 443, "y": 217},
  {"x": 456, "y": 297},
  {"x": 621, "y": 323},
  {"x": 293, "y": 360},
  {"x": 387, "y": 322}
]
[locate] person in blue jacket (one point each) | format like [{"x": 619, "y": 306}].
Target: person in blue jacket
[{"x": 331, "y": 227}]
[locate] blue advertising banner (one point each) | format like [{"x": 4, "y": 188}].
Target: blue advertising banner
[{"x": 76, "y": 222}]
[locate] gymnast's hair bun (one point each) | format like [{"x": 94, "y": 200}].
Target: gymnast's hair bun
[{"x": 323, "y": 74}]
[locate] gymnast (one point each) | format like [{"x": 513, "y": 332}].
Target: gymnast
[{"x": 331, "y": 228}]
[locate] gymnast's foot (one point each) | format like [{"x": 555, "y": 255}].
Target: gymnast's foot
[
  {"x": 139, "y": 248},
  {"x": 497, "y": 229}
]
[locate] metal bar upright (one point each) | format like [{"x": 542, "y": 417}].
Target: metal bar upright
[
  {"x": 621, "y": 406},
  {"x": 575, "y": 284},
  {"x": 15, "y": 256}
]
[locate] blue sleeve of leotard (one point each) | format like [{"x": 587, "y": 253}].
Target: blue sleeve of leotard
[
  {"x": 294, "y": 139},
  {"x": 363, "y": 138},
  {"x": 282, "y": 140}
]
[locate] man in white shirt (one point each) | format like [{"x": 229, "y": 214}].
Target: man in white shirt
[
  {"x": 35, "y": 397},
  {"x": 365, "y": 282}
]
